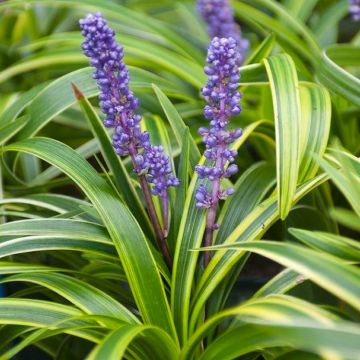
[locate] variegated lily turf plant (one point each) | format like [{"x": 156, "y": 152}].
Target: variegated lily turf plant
[{"x": 175, "y": 187}]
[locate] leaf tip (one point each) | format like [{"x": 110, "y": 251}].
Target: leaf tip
[{"x": 78, "y": 94}]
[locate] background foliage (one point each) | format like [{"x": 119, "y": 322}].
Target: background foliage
[{"x": 81, "y": 270}]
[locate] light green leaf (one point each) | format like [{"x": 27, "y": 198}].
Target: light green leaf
[
  {"x": 336, "y": 245},
  {"x": 327, "y": 271},
  {"x": 338, "y": 80},
  {"x": 9, "y": 130},
  {"x": 114, "y": 345},
  {"x": 315, "y": 127},
  {"x": 286, "y": 102},
  {"x": 277, "y": 321},
  {"x": 84, "y": 296}
]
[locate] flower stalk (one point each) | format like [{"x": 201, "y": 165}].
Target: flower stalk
[{"x": 118, "y": 103}]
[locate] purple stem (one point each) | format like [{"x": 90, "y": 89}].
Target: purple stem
[
  {"x": 211, "y": 214},
  {"x": 165, "y": 212},
  {"x": 161, "y": 241},
  {"x": 150, "y": 207}
]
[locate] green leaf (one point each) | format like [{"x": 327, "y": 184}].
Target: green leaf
[
  {"x": 249, "y": 14},
  {"x": 255, "y": 224},
  {"x": 57, "y": 227},
  {"x": 276, "y": 321},
  {"x": 177, "y": 124},
  {"x": 55, "y": 98},
  {"x": 183, "y": 174},
  {"x": 286, "y": 102},
  {"x": 331, "y": 15},
  {"x": 290, "y": 22},
  {"x": 19, "y": 104},
  {"x": 84, "y": 296},
  {"x": 58, "y": 95},
  {"x": 190, "y": 235},
  {"x": 328, "y": 341},
  {"x": 250, "y": 189},
  {"x": 46, "y": 243},
  {"x": 7, "y": 267},
  {"x": 115, "y": 344},
  {"x": 336, "y": 245},
  {"x": 126, "y": 234},
  {"x": 327, "y": 271},
  {"x": 301, "y": 10},
  {"x": 338, "y": 80},
  {"x": 9, "y": 130},
  {"x": 344, "y": 54},
  {"x": 315, "y": 127},
  {"x": 122, "y": 179},
  {"x": 347, "y": 179},
  {"x": 346, "y": 218},
  {"x": 262, "y": 51},
  {"x": 36, "y": 313},
  {"x": 281, "y": 283}
]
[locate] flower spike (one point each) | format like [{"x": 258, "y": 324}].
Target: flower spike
[
  {"x": 119, "y": 104},
  {"x": 219, "y": 18},
  {"x": 223, "y": 101}
]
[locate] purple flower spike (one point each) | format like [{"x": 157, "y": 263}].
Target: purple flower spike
[
  {"x": 118, "y": 103},
  {"x": 223, "y": 100},
  {"x": 354, "y": 9},
  {"x": 219, "y": 18}
]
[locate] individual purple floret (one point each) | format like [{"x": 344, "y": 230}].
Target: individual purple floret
[
  {"x": 223, "y": 100},
  {"x": 219, "y": 18},
  {"x": 354, "y": 9}
]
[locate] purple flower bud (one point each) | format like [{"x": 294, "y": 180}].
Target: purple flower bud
[
  {"x": 231, "y": 170},
  {"x": 230, "y": 191},
  {"x": 203, "y": 197},
  {"x": 354, "y": 9},
  {"x": 159, "y": 171}
]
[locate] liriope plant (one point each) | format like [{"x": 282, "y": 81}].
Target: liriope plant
[{"x": 117, "y": 262}]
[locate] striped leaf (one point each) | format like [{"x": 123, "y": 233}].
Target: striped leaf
[
  {"x": 123, "y": 229},
  {"x": 286, "y": 102}
]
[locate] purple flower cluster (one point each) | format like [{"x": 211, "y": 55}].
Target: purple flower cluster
[
  {"x": 118, "y": 103},
  {"x": 219, "y": 17},
  {"x": 159, "y": 170},
  {"x": 223, "y": 100},
  {"x": 354, "y": 9}
]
